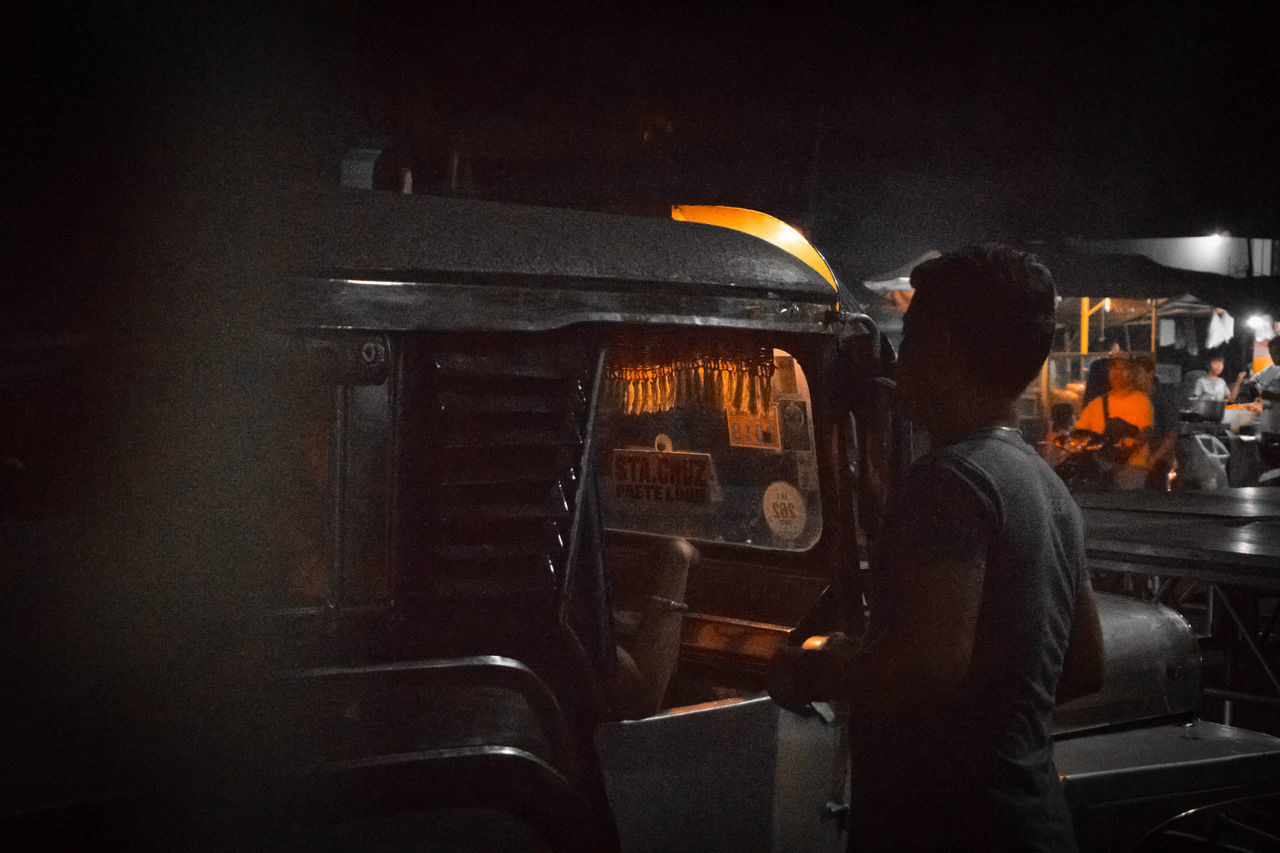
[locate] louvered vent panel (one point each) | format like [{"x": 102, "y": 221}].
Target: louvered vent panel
[{"x": 499, "y": 444}]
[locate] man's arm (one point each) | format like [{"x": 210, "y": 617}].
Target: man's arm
[
  {"x": 1265, "y": 381},
  {"x": 1234, "y": 390},
  {"x": 645, "y": 666},
  {"x": 1084, "y": 667},
  {"x": 924, "y": 619},
  {"x": 925, "y": 656}
]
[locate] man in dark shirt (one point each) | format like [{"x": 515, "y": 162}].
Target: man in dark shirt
[{"x": 978, "y": 583}]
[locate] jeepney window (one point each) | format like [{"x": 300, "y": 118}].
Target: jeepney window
[{"x": 716, "y": 446}]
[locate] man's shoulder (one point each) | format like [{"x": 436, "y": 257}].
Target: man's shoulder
[
  {"x": 952, "y": 468},
  {"x": 985, "y": 460}
]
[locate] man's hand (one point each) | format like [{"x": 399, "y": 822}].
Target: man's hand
[
  {"x": 813, "y": 672},
  {"x": 787, "y": 680}
]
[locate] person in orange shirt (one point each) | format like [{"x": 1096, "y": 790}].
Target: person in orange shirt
[{"x": 1124, "y": 416}]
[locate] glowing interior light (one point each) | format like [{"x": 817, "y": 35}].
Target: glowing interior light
[
  {"x": 1106, "y": 304},
  {"x": 1255, "y": 322}
]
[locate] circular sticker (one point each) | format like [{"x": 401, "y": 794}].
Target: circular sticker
[
  {"x": 662, "y": 443},
  {"x": 784, "y": 510}
]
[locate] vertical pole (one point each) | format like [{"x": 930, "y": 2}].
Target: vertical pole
[
  {"x": 1084, "y": 325},
  {"x": 1154, "y": 330},
  {"x": 1044, "y": 389}
]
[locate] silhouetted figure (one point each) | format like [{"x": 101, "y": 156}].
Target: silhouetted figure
[{"x": 978, "y": 587}]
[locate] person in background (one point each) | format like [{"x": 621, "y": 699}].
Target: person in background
[
  {"x": 1061, "y": 416},
  {"x": 1095, "y": 381},
  {"x": 646, "y": 661},
  {"x": 1267, "y": 381},
  {"x": 1124, "y": 417},
  {"x": 981, "y": 606},
  {"x": 1214, "y": 387},
  {"x": 1164, "y": 428}
]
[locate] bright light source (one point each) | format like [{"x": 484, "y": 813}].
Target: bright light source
[
  {"x": 1106, "y": 304},
  {"x": 1216, "y": 237},
  {"x": 1255, "y": 322}
]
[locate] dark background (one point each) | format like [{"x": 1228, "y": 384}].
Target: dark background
[{"x": 882, "y": 130}]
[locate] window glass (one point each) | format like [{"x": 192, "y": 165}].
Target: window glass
[{"x": 711, "y": 448}]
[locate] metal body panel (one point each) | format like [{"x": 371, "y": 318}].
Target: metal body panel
[
  {"x": 1165, "y": 760},
  {"x": 1125, "y": 785},
  {"x": 1153, "y": 668},
  {"x": 399, "y": 305},
  {"x": 724, "y": 776},
  {"x": 394, "y": 263},
  {"x": 362, "y": 232}
]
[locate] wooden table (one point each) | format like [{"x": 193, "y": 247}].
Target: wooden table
[
  {"x": 1229, "y": 536},
  {"x": 1229, "y": 539}
]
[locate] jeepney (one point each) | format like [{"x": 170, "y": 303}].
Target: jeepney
[{"x": 510, "y": 419}]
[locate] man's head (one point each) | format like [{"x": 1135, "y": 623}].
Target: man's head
[
  {"x": 981, "y": 317},
  {"x": 1119, "y": 374},
  {"x": 1215, "y": 365},
  {"x": 1273, "y": 346},
  {"x": 1144, "y": 375}
]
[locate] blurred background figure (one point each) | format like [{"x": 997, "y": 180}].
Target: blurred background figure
[
  {"x": 1095, "y": 382},
  {"x": 1123, "y": 416},
  {"x": 1267, "y": 382},
  {"x": 1212, "y": 386},
  {"x": 1164, "y": 427}
]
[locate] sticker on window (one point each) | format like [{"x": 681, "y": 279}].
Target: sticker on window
[
  {"x": 784, "y": 510},
  {"x": 664, "y": 477},
  {"x": 795, "y": 425},
  {"x": 759, "y": 429}
]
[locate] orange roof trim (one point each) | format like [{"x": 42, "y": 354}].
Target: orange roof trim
[{"x": 760, "y": 225}]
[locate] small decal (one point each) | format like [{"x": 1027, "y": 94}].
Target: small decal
[
  {"x": 650, "y": 475},
  {"x": 784, "y": 510},
  {"x": 758, "y": 430},
  {"x": 806, "y": 471},
  {"x": 795, "y": 425}
]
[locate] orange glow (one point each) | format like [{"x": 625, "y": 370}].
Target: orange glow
[
  {"x": 760, "y": 225},
  {"x": 815, "y": 642}
]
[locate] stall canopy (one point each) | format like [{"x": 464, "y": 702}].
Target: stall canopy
[{"x": 1083, "y": 273}]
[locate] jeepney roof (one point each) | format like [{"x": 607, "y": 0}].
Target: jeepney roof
[{"x": 381, "y": 260}]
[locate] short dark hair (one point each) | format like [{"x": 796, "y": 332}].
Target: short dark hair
[{"x": 1001, "y": 302}]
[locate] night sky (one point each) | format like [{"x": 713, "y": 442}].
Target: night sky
[{"x": 882, "y": 131}]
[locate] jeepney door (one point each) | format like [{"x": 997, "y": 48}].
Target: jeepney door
[{"x": 716, "y": 444}]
